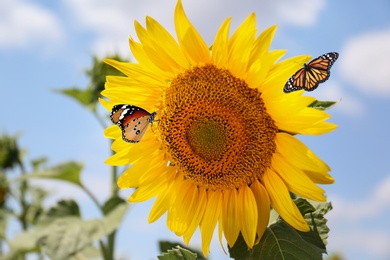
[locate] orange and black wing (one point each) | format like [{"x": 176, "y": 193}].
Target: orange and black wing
[
  {"x": 132, "y": 120},
  {"x": 312, "y": 74},
  {"x": 134, "y": 129}
]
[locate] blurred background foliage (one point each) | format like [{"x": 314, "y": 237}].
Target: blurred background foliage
[{"x": 59, "y": 231}]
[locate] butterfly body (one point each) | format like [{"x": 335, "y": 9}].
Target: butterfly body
[
  {"x": 132, "y": 120},
  {"x": 312, "y": 74}
]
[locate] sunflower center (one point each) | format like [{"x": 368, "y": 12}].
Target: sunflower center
[
  {"x": 216, "y": 129},
  {"x": 207, "y": 138}
]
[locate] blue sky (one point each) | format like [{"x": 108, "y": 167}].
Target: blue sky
[{"x": 46, "y": 45}]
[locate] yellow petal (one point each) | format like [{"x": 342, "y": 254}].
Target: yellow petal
[
  {"x": 282, "y": 202},
  {"x": 162, "y": 204},
  {"x": 189, "y": 39},
  {"x": 300, "y": 155},
  {"x": 260, "y": 70},
  {"x": 296, "y": 180},
  {"x": 112, "y": 132},
  {"x": 248, "y": 215},
  {"x": 143, "y": 172},
  {"x": 171, "y": 47},
  {"x": 198, "y": 212},
  {"x": 220, "y": 47},
  {"x": 210, "y": 218},
  {"x": 263, "y": 208},
  {"x": 183, "y": 206},
  {"x": 283, "y": 70},
  {"x": 136, "y": 72},
  {"x": 144, "y": 59},
  {"x": 240, "y": 46},
  {"x": 146, "y": 192},
  {"x": 230, "y": 220},
  {"x": 262, "y": 44}
]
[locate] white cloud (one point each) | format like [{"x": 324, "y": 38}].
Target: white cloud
[
  {"x": 113, "y": 21},
  {"x": 300, "y": 12},
  {"x": 365, "y": 208},
  {"x": 365, "y": 243},
  {"x": 365, "y": 62},
  {"x": 23, "y": 23},
  {"x": 349, "y": 218}
]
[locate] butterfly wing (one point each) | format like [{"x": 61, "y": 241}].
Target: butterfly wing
[
  {"x": 132, "y": 120},
  {"x": 313, "y": 77},
  {"x": 135, "y": 129},
  {"x": 312, "y": 74},
  {"x": 116, "y": 113},
  {"x": 296, "y": 82}
]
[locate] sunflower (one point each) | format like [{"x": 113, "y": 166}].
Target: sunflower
[{"x": 223, "y": 147}]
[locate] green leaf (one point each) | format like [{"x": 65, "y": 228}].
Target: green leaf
[
  {"x": 304, "y": 206},
  {"x": 113, "y": 219},
  {"x": 166, "y": 245},
  {"x": 88, "y": 97},
  {"x": 281, "y": 241},
  {"x": 112, "y": 203},
  {"x": 323, "y": 105},
  {"x": 178, "y": 253},
  {"x": 64, "y": 208},
  {"x": 83, "y": 96},
  {"x": 3, "y": 223},
  {"x": 10, "y": 153},
  {"x": 317, "y": 220},
  {"x": 39, "y": 162},
  {"x": 69, "y": 172}
]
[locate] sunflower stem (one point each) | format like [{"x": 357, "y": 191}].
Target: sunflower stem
[{"x": 92, "y": 196}]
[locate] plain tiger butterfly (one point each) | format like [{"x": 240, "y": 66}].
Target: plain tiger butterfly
[
  {"x": 312, "y": 73},
  {"x": 132, "y": 120}
]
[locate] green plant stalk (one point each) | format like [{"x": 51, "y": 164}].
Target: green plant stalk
[
  {"x": 114, "y": 192},
  {"x": 106, "y": 249},
  {"x": 23, "y": 189},
  {"x": 23, "y": 203}
]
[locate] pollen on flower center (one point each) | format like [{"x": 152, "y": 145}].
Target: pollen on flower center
[
  {"x": 216, "y": 129},
  {"x": 208, "y": 138}
]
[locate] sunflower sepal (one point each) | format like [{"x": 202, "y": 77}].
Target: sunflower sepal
[
  {"x": 177, "y": 251},
  {"x": 323, "y": 105}
]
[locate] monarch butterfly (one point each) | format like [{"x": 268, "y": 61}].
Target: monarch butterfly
[
  {"x": 132, "y": 120},
  {"x": 312, "y": 73}
]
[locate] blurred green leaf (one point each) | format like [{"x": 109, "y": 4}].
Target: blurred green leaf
[
  {"x": 281, "y": 241},
  {"x": 37, "y": 163},
  {"x": 3, "y": 223},
  {"x": 4, "y": 189},
  {"x": 10, "y": 154},
  {"x": 34, "y": 208},
  {"x": 88, "y": 97},
  {"x": 323, "y": 105},
  {"x": 317, "y": 220},
  {"x": 112, "y": 203},
  {"x": 84, "y": 97},
  {"x": 304, "y": 206},
  {"x": 165, "y": 246},
  {"x": 63, "y": 237},
  {"x": 64, "y": 208},
  {"x": 178, "y": 253},
  {"x": 69, "y": 172}
]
